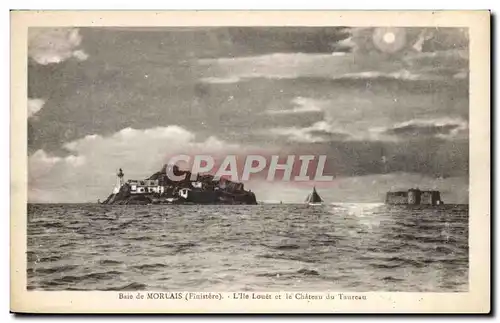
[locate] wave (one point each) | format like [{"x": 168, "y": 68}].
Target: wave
[
  {"x": 283, "y": 247},
  {"x": 110, "y": 262},
  {"x": 69, "y": 244},
  {"x": 150, "y": 266},
  {"x": 391, "y": 279},
  {"x": 123, "y": 225},
  {"x": 308, "y": 272},
  {"x": 140, "y": 238},
  {"x": 131, "y": 286},
  {"x": 306, "y": 259},
  {"x": 52, "y": 270},
  {"x": 300, "y": 272},
  {"x": 178, "y": 247},
  {"x": 324, "y": 240},
  {"x": 92, "y": 276},
  {"x": 50, "y": 258},
  {"x": 384, "y": 266},
  {"x": 52, "y": 225}
]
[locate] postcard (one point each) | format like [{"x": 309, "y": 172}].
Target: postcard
[{"x": 250, "y": 162}]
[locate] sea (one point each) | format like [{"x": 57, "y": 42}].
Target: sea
[{"x": 266, "y": 247}]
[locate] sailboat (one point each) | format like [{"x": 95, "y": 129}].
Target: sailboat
[{"x": 314, "y": 198}]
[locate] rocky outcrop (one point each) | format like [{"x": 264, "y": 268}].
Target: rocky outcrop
[
  {"x": 123, "y": 197},
  {"x": 207, "y": 190},
  {"x": 414, "y": 197}
]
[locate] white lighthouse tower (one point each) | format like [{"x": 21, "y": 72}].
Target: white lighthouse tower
[{"x": 119, "y": 181}]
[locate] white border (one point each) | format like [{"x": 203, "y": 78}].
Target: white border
[{"x": 188, "y": 4}]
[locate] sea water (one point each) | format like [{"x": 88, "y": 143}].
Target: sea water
[{"x": 339, "y": 247}]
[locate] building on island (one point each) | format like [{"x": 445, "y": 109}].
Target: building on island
[
  {"x": 160, "y": 188},
  {"x": 414, "y": 196},
  {"x": 145, "y": 186}
]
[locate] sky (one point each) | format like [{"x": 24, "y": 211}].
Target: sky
[{"x": 388, "y": 107}]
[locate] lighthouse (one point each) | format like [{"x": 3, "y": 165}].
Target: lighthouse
[{"x": 119, "y": 181}]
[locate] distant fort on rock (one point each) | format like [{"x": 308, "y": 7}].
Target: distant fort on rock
[{"x": 414, "y": 196}]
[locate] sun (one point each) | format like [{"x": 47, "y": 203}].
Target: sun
[{"x": 389, "y": 37}]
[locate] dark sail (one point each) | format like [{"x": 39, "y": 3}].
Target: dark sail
[{"x": 314, "y": 197}]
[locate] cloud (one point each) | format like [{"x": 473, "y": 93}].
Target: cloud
[
  {"x": 220, "y": 80},
  {"x": 455, "y": 60},
  {"x": 320, "y": 131},
  {"x": 302, "y": 105},
  {"x": 88, "y": 172},
  {"x": 328, "y": 131},
  {"x": 155, "y": 144},
  {"x": 34, "y": 105},
  {"x": 274, "y": 66},
  {"x": 441, "y": 128},
  {"x": 414, "y": 54},
  {"x": 371, "y": 40},
  {"x": 40, "y": 157},
  {"x": 333, "y": 67},
  {"x": 397, "y": 75},
  {"x": 424, "y": 36},
  {"x": 80, "y": 54},
  {"x": 40, "y": 164},
  {"x": 461, "y": 75},
  {"x": 54, "y": 45}
]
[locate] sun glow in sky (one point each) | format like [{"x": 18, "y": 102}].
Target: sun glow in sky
[{"x": 389, "y": 38}]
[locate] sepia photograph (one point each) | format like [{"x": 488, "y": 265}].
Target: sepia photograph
[{"x": 232, "y": 162}]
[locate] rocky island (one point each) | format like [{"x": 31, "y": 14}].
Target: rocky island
[{"x": 159, "y": 188}]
